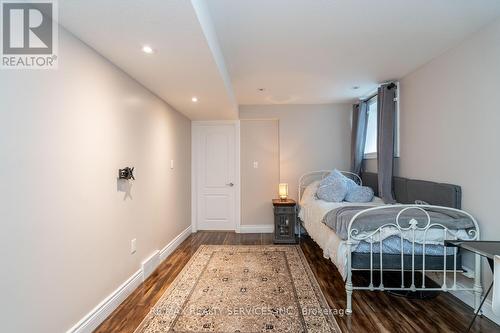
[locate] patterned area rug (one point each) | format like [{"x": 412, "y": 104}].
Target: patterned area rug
[{"x": 243, "y": 289}]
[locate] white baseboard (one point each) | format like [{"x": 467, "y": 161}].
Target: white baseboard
[
  {"x": 150, "y": 264},
  {"x": 468, "y": 298},
  {"x": 256, "y": 229},
  {"x": 95, "y": 317},
  {"x": 170, "y": 247}
]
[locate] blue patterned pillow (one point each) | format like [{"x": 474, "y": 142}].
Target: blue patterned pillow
[
  {"x": 334, "y": 187},
  {"x": 359, "y": 194},
  {"x": 350, "y": 183}
]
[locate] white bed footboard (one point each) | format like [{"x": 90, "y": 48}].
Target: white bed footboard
[{"x": 417, "y": 229}]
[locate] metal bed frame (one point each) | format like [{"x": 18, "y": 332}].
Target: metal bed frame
[{"x": 414, "y": 227}]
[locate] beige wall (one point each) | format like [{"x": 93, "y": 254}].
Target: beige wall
[
  {"x": 450, "y": 118},
  {"x": 370, "y": 165},
  {"x": 66, "y": 228},
  {"x": 259, "y": 144},
  {"x": 312, "y": 137}
]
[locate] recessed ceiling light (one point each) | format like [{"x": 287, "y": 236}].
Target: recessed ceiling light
[
  {"x": 147, "y": 49},
  {"x": 194, "y": 99},
  {"x": 355, "y": 87}
]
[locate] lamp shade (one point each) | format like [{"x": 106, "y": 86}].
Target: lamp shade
[{"x": 283, "y": 191}]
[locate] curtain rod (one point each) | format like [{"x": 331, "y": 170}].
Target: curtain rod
[
  {"x": 366, "y": 99},
  {"x": 391, "y": 84}
]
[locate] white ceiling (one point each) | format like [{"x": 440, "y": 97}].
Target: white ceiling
[
  {"x": 183, "y": 65},
  {"x": 300, "y": 51},
  {"x": 304, "y": 51}
]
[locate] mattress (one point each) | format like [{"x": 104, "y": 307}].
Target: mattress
[
  {"x": 312, "y": 212},
  {"x": 361, "y": 261}
]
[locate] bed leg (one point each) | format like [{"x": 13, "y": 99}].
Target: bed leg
[
  {"x": 348, "y": 285},
  {"x": 348, "y": 291},
  {"x": 478, "y": 289}
]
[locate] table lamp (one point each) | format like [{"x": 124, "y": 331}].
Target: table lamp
[{"x": 283, "y": 191}]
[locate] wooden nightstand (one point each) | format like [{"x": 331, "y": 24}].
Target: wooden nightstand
[{"x": 285, "y": 218}]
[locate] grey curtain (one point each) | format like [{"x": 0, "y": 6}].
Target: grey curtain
[
  {"x": 358, "y": 135},
  {"x": 386, "y": 107}
]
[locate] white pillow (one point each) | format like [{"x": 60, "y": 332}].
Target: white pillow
[{"x": 310, "y": 191}]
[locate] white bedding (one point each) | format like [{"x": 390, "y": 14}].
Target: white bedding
[{"x": 312, "y": 212}]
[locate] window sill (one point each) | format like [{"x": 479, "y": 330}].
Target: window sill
[{"x": 370, "y": 156}]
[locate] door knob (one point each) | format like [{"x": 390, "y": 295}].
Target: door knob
[{"x": 230, "y": 184}]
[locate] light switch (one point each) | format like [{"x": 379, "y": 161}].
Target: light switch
[
  {"x": 133, "y": 246},
  {"x": 171, "y": 164},
  {"x": 255, "y": 165}
]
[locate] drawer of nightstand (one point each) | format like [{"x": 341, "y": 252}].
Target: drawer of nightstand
[{"x": 284, "y": 210}]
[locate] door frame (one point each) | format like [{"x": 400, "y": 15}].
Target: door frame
[{"x": 195, "y": 125}]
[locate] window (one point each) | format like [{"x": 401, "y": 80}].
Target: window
[{"x": 371, "y": 129}]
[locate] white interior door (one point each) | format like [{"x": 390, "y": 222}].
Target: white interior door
[{"x": 215, "y": 164}]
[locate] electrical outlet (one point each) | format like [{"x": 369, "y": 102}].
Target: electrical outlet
[
  {"x": 133, "y": 246},
  {"x": 255, "y": 165}
]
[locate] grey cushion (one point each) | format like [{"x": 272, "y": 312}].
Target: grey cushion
[
  {"x": 359, "y": 194},
  {"x": 434, "y": 193},
  {"x": 334, "y": 187},
  {"x": 400, "y": 189},
  {"x": 371, "y": 180},
  {"x": 409, "y": 190}
]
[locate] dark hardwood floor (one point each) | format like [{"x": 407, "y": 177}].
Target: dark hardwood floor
[{"x": 373, "y": 311}]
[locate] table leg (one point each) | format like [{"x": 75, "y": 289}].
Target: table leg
[{"x": 300, "y": 229}]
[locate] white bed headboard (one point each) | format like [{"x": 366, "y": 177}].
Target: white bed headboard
[{"x": 310, "y": 177}]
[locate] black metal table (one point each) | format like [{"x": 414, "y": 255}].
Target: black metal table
[{"x": 487, "y": 249}]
